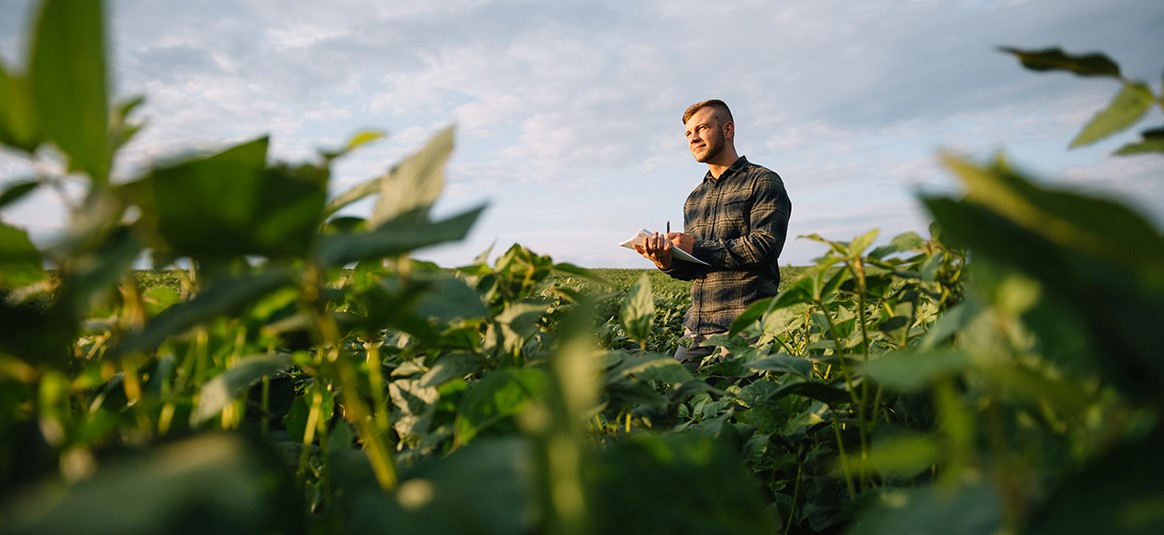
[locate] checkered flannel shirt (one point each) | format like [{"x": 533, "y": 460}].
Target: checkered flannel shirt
[{"x": 739, "y": 222}]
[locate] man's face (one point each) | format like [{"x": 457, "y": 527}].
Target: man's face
[{"x": 705, "y": 135}]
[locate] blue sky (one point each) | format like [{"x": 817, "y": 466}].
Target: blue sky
[{"x": 568, "y": 113}]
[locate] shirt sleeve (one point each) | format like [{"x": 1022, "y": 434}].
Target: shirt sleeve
[
  {"x": 764, "y": 241},
  {"x": 684, "y": 271}
]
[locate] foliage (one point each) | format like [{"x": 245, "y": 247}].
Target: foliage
[{"x": 308, "y": 375}]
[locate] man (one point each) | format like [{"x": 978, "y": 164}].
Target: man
[{"x": 736, "y": 219}]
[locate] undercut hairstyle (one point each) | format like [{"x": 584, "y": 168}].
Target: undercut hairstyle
[{"x": 721, "y": 110}]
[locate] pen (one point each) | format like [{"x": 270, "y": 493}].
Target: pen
[{"x": 668, "y": 226}]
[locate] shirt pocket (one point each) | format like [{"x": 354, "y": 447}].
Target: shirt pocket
[{"x": 734, "y": 218}]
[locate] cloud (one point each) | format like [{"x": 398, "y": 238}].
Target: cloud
[{"x": 567, "y": 113}]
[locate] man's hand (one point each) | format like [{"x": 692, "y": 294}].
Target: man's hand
[
  {"x": 682, "y": 241},
  {"x": 657, "y": 248}
]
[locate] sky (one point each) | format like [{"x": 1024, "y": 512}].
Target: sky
[{"x": 568, "y": 114}]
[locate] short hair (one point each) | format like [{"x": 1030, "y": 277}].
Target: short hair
[{"x": 722, "y": 112}]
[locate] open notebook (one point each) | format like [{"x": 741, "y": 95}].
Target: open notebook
[{"x": 680, "y": 254}]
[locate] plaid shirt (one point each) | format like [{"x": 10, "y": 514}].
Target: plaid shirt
[{"x": 739, "y": 222}]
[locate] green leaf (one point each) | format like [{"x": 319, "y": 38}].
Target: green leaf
[
  {"x": 860, "y": 243},
  {"x": 353, "y": 194},
  {"x": 413, "y": 185},
  {"x": 1128, "y": 107},
  {"x": 781, "y": 363},
  {"x": 1115, "y": 297},
  {"x": 121, "y": 131},
  {"x": 813, "y": 390},
  {"x": 20, "y": 261},
  {"x": 358, "y": 139},
  {"x": 902, "y": 455},
  {"x": 18, "y": 125},
  {"x": 394, "y": 237},
  {"x": 218, "y": 482},
  {"x": 648, "y": 367},
  {"x": 1071, "y": 220},
  {"x": 486, "y": 483},
  {"x": 968, "y": 510},
  {"x": 499, "y": 395},
  {"x": 67, "y": 76},
  {"x": 907, "y": 241},
  {"x": 17, "y": 191},
  {"x": 1153, "y": 142},
  {"x": 449, "y": 367},
  {"x": 99, "y": 273},
  {"x": 230, "y": 204},
  {"x": 799, "y": 292},
  {"x": 223, "y": 298},
  {"x": 1053, "y": 59},
  {"x": 638, "y": 310},
  {"x": 46, "y": 333},
  {"x": 225, "y": 387},
  {"x": 677, "y": 483},
  {"x": 753, "y": 314},
  {"x": 909, "y": 370},
  {"x": 449, "y": 299},
  {"x": 1119, "y": 492}
]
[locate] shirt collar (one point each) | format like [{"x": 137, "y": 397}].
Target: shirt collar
[{"x": 733, "y": 169}]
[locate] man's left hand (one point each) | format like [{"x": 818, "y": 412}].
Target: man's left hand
[{"x": 657, "y": 249}]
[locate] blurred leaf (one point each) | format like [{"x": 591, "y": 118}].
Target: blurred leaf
[
  {"x": 67, "y": 76},
  {"x": 969, "y": 510},
  {"x": 638, "y": 310},
  {"x": 1128, "y": 107},
  {"x": 1153, "y": 142},
  {"x": 1120, "y": 492},
  {"x": 229, "y": 385},
  {"x": 1095, "y": 258},
  {"x": 121, "y": 131},
  {"x": 98, "y": 271},
  {"x": 449, "y": 299},
  {"x": 394, "y": 237},
  {"x": 678, "y": 483},
  {"x": 297, "y": 414},
  {"x": 1071, "y": 220},
  {"x": 901, "y": 455},
  {"x": 482, "y": 488},
  {"x": 413, "y": 185},
  {"x": 913, "y": 370},
  {"x": 362, "y": 137},
  {"x": 214, "y": 482},
  {"x": 224, "y": 298},
  {"x": 46, "y": 334},
  {"x": 1054, "y": 59},
  {"x": 230, "y": 204},
  {"x": 351, "y": 195},
  {"x": 496, "y": 396},
  {"x": 17, "y": 191},
  {"x": 18, "y": 125},
  {"x": 20, "y": 261}
]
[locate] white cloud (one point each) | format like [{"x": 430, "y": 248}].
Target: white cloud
[{"x": 567, "y": 113}]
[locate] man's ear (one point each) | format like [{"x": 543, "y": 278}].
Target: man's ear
[{"x": 729, "y": 130}]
